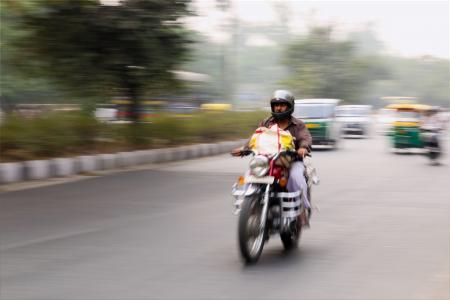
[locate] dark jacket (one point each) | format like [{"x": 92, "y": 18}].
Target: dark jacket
[{"x": 302, "y": 137}]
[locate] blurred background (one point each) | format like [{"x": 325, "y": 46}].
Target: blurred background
[
  {"x": 129, "y": 61},
  {"x": 84, "y": 77}
]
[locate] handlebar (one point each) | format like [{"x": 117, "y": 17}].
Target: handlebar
[
  {"x": 246, "y": 152},
  {"x": 294, "y": 154},
  {"x": 429, "y": 129}
]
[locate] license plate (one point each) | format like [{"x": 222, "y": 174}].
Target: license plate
[
  {"x": 265, "y": 179},
  {"x": 312, "y": 125}
]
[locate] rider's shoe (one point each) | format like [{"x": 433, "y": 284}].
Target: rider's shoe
[{"x": 303, "y": 219}]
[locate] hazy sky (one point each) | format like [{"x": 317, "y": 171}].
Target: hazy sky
[{"x": 407, "y": 28}]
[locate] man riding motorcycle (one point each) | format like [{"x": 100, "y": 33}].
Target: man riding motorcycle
[
  {"x": 431, "y": 128},
  {"x": 432, "y": 119},
  {"x": 282, "y": 106}
]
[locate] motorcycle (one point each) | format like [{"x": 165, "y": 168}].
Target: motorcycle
[
  {"x": 430, "y": 137},
  {"x": 264, "y": 205}
]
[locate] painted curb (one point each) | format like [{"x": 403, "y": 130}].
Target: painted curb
[
  {"x": 11, "y": 172},
  {"x": 60, "y": 167},
  {"x": 107, "y": 161},
  {"x": 37, "y": 169},
  {"x": 86, "y": 163},
  {"x": 126, "y": 159},
  {"x": 147, "y": 156}
]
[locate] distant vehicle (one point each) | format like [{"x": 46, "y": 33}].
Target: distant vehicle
[
  {"x": 405, "y": 132},
  {"x": 444, "y": 114},
  {"x": 148, "y": 108},
  {"x": 216, "y": 106},
  {"x": 431, "y": 140},
  {"x": 182, "y": 109},
  {"x": 386, "y": 116},
  {"x": 106, "y": 114},
  {"x": 384, "y": 119},
  {"x": 355, "y": 119},
  {"x": 320, "y": 118}
]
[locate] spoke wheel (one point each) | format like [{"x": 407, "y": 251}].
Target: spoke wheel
[{"x": 251, "y": 236}]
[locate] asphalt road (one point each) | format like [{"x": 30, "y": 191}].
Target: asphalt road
[{"x": 167, "y": 232}]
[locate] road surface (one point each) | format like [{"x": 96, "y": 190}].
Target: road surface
[{"x": 167, "y": 232}]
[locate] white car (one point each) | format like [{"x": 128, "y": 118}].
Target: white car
[
  {"x": 355, "y": 119},
  {"x": 106, "y": 114}
]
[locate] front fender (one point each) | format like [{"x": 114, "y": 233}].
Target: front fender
[
  {"x": 241, "y": 194},
  {"x": 252, "y": 189},
  {"x": 247, "y": 190}
]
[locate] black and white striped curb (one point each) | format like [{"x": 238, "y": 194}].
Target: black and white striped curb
[{"x": 62, "y": 167}]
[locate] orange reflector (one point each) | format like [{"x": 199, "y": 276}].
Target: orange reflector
[
  {"x": 282, "y": 182},
  {"x": 241, "y": 180}
]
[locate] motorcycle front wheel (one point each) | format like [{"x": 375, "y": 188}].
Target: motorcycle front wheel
[{"x": 250, "y": 235}]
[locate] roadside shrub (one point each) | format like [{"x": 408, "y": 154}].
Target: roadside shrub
[
  {"x": 169, "y": 130},
  {"x": 215, "y": 126},
  {"x": 48, "y": 135},
  {"x": 74, "y": 133}
]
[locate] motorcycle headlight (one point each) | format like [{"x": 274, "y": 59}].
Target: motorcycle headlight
[{"x": 259, "y": 166}]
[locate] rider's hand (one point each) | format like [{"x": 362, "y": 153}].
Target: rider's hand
[
  {"x": 236, "y": 152},
  {"x": 302, "y": 152}
]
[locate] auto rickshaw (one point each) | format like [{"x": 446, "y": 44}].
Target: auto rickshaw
[{"x": 405, "y": 131}]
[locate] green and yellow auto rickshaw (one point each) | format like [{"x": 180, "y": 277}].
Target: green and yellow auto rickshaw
[{"x": 405, "y": 131}]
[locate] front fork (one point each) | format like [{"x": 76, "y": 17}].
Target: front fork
[
  {"x": 240, "y": 195},
  {"x": 264, "y": 209}
]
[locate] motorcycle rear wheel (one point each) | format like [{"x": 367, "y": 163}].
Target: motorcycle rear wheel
[
  {"x": 291, "y": 238},
  {"x": 251, "y": 236}
]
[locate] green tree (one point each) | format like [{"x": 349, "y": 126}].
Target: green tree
[
  {"x": 16, "y": 87},
  {"x": 426, "y": 78},
  {"x": 99, "y": 50},
  {"x": 322, "y": 67}
]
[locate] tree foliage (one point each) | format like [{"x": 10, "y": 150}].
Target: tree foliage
[
  {"x": 426, "y": 78},
  {"x": 16, "y": 86},
  {"x": 94, "y": 49},
  {"x": 322, "y": 67}
]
